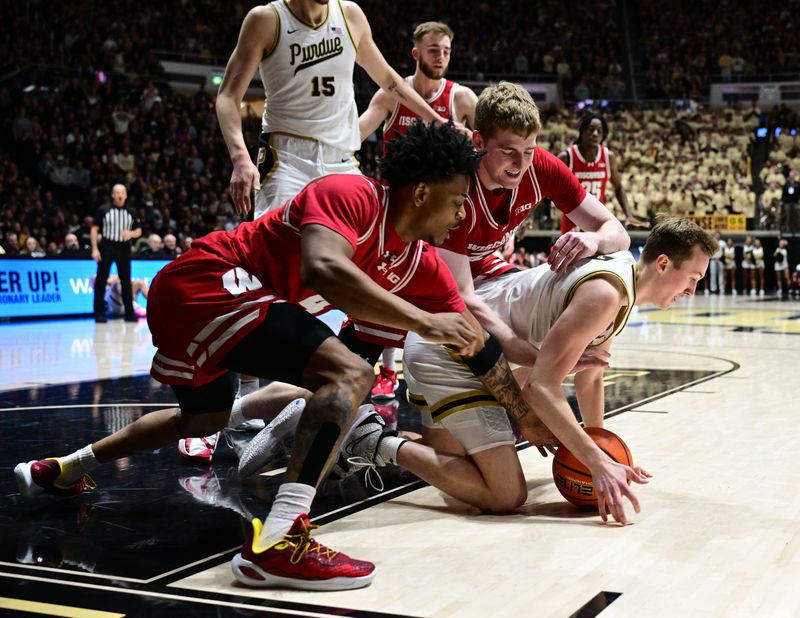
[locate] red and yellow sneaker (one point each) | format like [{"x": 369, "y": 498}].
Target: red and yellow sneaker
[
  {"x": 298, "y": 561},
  {"x": 37, "y": 477}
]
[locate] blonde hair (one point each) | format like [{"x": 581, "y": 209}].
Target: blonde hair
[
  {"x": 431, "y": 27},
  {"x": 506, "y": 107},
  {"x": 676, "y": 238}
]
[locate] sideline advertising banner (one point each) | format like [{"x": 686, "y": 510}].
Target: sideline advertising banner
[{"x": 39, "y": 287}]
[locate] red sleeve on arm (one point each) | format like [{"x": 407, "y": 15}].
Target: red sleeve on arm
[
  {"x": 557, "y": 181},
  {"x": 433, "y": 288},
  {"x": 344, "y": 203}
]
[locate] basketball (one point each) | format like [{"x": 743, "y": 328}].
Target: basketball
[{"x": 573, "y": 479}]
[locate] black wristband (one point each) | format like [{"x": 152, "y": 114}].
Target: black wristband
[{"x": 484, "y": 360}]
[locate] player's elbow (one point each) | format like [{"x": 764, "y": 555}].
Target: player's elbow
[
  {"x": 618, "y": 235},
  {"x": 318, "y": 274}
]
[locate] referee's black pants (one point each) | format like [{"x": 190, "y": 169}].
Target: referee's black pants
[{"x": 110, "y": 252}]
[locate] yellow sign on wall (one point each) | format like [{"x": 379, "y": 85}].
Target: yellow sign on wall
[{"x": 721, "y": 223}]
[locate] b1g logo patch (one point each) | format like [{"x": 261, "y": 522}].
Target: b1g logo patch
[{"x": 262, "y": 156}]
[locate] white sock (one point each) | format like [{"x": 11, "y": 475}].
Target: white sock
[
  {"x": 75, "y": 465},
  {"x": 388, "y": 447},
  {"x": 237, "y": 418},
  {"x": 388, "y": 358},
  {"x": 247, "y": 386},
  {"x": 292, "y": 500}
]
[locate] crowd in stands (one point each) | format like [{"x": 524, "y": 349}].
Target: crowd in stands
[
  {"x": 554, "y": 40},
  {"x": 683, "y": 161},
  {"x": 685, "y": 44},
  {"x": 66, "y": 136},
  {"x": 63, "y": 149},
  {"x": 780, "y": 176}
]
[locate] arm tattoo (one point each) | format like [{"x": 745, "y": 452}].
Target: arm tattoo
[
  {"x": 500, "y": 382},
  {"x": 392, "y": 88}
]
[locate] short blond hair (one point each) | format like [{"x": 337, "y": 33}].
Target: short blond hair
[
  {"x": 506, "y": 107},
  {"x": 676, "y": 238},
  {"x": 431, "y": 27}
]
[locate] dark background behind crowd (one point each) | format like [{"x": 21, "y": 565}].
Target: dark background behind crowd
[{"x": 84, "y": 102}]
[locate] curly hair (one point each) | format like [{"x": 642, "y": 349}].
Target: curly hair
[{"x": 428, "y": 154}]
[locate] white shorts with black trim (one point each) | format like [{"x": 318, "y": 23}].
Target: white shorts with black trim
[
  {"x": 287, "y": 163},
  {"x": 450, "y": 397}
]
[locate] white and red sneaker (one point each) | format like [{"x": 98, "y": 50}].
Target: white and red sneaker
[
  {"x": 198, "y": 451},
  {"x": 298, "y": 561},
  {"x": 385, "y": 384}
]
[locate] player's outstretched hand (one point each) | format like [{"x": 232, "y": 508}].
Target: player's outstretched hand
[
  {"x": 540, "y": 436},
  {"x": 570, "y": 248},
  {"x": 610, "y": 480},
  {"x": 244, "y": 180},
  {"x": 451, "y": 329},
  {"x": 635, "y": 222},
  {"x": 460, "y": 127}
]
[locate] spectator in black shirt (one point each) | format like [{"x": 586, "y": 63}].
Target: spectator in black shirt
[
  {"x": 790, "y": 199},
  {"x": 12, "y": 244},
  {"x": 152, "y": 248},
  {"x": 84, "y": 232},
  {"x": 118, "y": 225},
  {"x": 170, "y": 250},
  {"x": 71, "y": 247}
]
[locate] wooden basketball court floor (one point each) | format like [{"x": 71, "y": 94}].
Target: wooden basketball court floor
[{"x": 704, "y": 394}]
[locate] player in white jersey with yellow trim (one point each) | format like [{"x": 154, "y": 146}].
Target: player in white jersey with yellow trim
[
  {"x": 305, "y": 51},
  {"x": 468, "y": 444}
]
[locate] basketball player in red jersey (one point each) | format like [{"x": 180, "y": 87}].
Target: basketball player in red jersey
[
  {"x": 512, "y": 178},
  {"x": 431, "y": 50},
  {"x": 594, "y": 165},
  {"x": 244, "y": 301},
  {"x": 432, "y": 45}
]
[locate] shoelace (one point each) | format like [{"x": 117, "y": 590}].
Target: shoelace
[
  {"x": 86, "y": 482},
  {"x": 372, "y": 477},
  {"x": 303, "y": 543}
]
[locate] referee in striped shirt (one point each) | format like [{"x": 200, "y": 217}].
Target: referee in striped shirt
[{"x": 117, "y": 225}]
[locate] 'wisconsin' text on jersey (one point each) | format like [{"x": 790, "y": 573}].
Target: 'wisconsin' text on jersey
[{"x": 315, "y": 53}]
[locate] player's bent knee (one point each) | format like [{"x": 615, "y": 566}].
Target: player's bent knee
[
  {"x": 201, "y": 425},
  {"x": 508, "y": 499},
  {"x": 358, "y": 374}
]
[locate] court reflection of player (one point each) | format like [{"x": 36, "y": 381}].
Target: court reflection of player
[{"x": 114, "y": 304}]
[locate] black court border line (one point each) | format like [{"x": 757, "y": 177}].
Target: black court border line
[
  {"x": 596, "y": 604},
  {"x": 188, "y": 597},
  {"x": 157, "y": 585}
]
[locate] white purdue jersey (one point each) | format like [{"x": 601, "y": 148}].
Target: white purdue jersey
[
  {"x": 530, "y": 301},
  {"x": 308, "y": 79}
]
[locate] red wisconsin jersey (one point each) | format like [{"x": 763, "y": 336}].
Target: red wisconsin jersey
[
  {"x": 492, "y": 217},
  {"x": 593, "y": 176},
  {"x": 206, "y": 301},
  {"x": 442, "y": 103}
]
